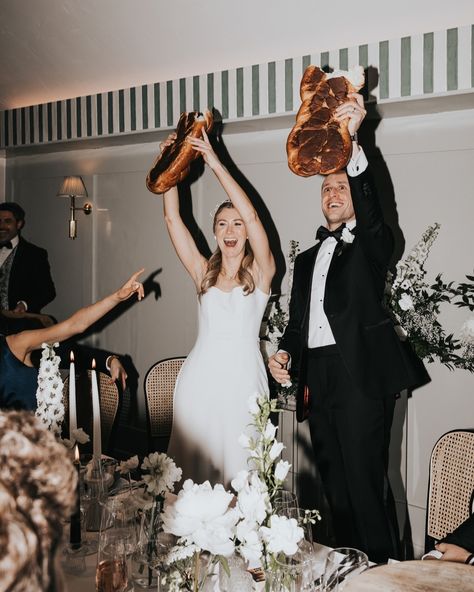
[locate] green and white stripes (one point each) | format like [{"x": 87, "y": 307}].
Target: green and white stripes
[{"x": 420, "y": 65}]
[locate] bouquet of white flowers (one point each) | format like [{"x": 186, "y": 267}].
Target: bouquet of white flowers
[
  {"x": 49, "y": 396},
  {"x": 275, "y": 324},
  {"x": 416, "y": 306},
  {"x": 209, "y": 530}
]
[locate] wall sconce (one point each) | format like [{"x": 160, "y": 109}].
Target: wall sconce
[{"x": 73, "y": 187}]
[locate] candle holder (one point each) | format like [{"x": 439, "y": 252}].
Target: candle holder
[{"x": 98, "y": 482}]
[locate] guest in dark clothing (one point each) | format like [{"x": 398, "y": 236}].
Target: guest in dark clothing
[
  {"x": 459, "y": 545},
  {"x": 25, "y": 276},
  {"x": 18, "y": 375}
]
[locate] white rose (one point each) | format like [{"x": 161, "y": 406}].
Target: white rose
[
  {"x": 202, "y": 516},
  {"x": 283, "y": 535},
  {"x": 405, "y": 302},
  {"x": 276, "y": 450},
  {"x": 281, "y": 470}
]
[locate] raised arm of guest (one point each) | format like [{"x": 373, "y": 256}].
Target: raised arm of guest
[{"x": 22, "y": 344}]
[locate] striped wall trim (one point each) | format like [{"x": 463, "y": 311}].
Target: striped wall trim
[{"x": 416, "y": 66}]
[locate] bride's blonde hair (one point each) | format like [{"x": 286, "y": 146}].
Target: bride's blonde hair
[{"x": 214, "y": 264}]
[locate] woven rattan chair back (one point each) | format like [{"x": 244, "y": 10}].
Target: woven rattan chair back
[
  {"x": 109, "y": 402},
  {"x": 159, "y": 389},
  {"x": 451, "y": 483}
]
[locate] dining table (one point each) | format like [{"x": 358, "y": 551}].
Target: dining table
[
  {"x": 85, "y": 580},
  {"x": 415, "y": 576}
]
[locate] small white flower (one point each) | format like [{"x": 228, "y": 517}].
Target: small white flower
[
  {"x": 244, "y": 441},
  {"x": 128, "y": 465},
  {"x": 347, "y": 235},
  {"x": 281, "y": 470},
  {"x": 276, "y": 450},
  {"x": 240, "y": 480},
  {"x": 163, "y": 473},
  {"x": 467, "y": 331},
  {"x": 405, "y": 285},
  {"x": 251, "y": 545},
  {"x": 405, "y": 302},
  {"x": 270, "y": 431},
  {"x": 253, "y": 404}
]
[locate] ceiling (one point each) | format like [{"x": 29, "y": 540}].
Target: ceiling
[{"x": 57, "y": 49}]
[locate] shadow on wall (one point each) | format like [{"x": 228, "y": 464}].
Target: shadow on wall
[{"x": 197, "y": 169}]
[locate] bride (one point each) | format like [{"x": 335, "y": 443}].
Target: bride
[{"x": 225, "y": 366}]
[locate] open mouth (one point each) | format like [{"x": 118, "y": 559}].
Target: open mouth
[
  {"x": 334, "y": 204},
  {"x": 230, "y": 242}
]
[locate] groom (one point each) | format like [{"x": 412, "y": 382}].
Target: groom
[{"x": 343, "y": 349}]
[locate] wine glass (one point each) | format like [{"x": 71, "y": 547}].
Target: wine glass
[
  {"x": 283, "y": 500},
  {"x": 295, "y": 573},
  {"x": 342, "y": 564},
  {"x": 111, "y": 572}
]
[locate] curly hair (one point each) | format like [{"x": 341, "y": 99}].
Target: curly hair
[
  {"x": 37, "y": 486},
  {"x": 244, "y": 276}
]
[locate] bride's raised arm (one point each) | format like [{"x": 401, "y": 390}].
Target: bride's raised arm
[
  {"x": 255, "y": 231},
  {"x": 181, "y": 238}
]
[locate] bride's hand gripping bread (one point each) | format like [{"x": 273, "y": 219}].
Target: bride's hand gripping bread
[{"x": 173, "y": 163}]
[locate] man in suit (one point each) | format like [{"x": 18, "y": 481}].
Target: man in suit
[
  {"x": 345, "y": 353},
  {"x": 25, "y": 277}
]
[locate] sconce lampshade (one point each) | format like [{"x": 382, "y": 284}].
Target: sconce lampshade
[{"x": 72, "y": 186}]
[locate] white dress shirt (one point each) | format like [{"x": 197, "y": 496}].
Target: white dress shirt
[
  {"x": 4, "y": 252},
  {"x": 319, "y": 331}
]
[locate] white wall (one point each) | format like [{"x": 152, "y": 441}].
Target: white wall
[{"x": 429, "y": 158}]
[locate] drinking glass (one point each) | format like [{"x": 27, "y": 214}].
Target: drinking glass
[
  {"x": 295, "y": 573},
  {"x": 343, "y": 564},
  {"x": 111, "y": 572},
  {"x": 151, "y": 549},
  {"x": 283, "y": 500},
  {"x": 239, "y": 579}
]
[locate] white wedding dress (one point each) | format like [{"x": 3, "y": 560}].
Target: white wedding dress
[{"x": 225, "y": 367}]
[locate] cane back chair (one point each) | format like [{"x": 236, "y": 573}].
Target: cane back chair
[
  {"x": 451, "y": 484},
  {"x": 159, "y": 388},
  {"x": 109, "y": 402}
]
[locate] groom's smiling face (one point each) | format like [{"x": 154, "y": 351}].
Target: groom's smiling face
[{"x": 336, "y": 200}]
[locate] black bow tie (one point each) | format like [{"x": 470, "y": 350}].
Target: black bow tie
[
  {"x": 323, "y": 233},
  {"x": 7, "y": 245}
]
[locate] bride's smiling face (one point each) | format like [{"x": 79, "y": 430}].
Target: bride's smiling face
[{"x": 230, "y": 232}]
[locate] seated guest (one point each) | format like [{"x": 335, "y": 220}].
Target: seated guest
[
  {"x": 25, "y": 276},
  {"x": 459, "y": 545},
  {"x": 37, "y": 485},
  {"x": 18, "y": 376}
]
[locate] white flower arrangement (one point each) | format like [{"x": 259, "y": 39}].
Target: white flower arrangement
[
  {"x": 205, "y": 523},
  {"x": 275, "y": 323},
  {"x": 49, "y": 395},
  {"x": 416, "y": 306}
]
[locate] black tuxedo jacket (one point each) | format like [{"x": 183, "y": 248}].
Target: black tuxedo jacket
[
  {"x": 378, "y": 362},
  {"x": 30, "y": 277}
]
